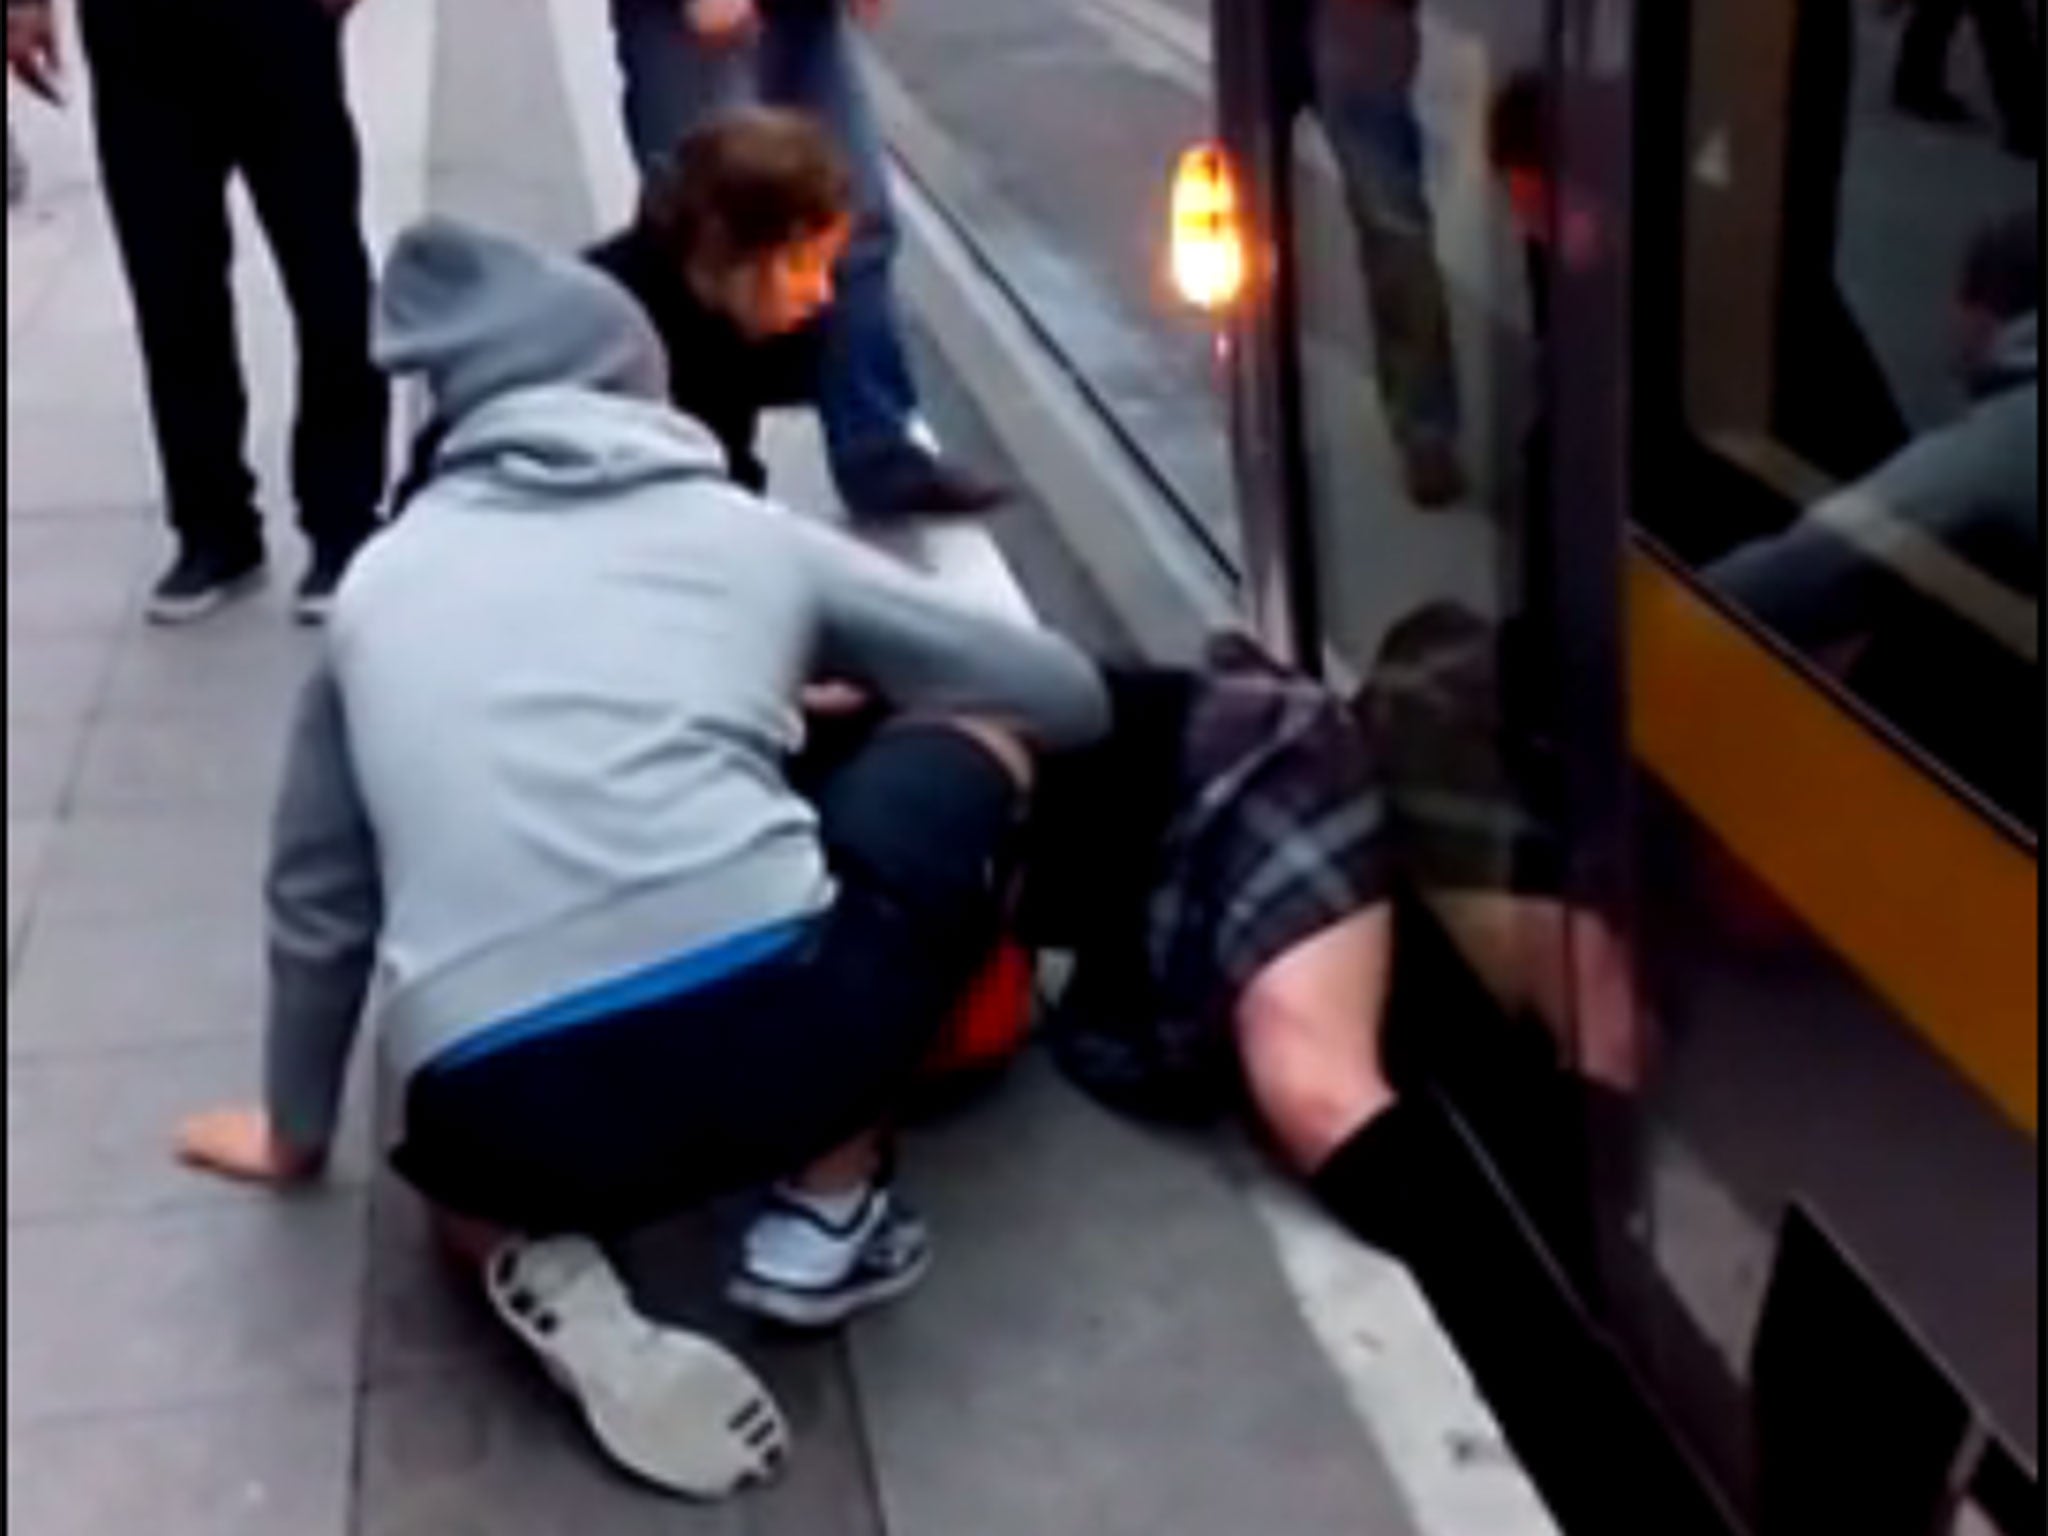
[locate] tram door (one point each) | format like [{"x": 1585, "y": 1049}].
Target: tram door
[
  {"x": 1584, "y": 346},
  {"x": 1835, "y": 708},
  {"x": 1435, "y": 495}
]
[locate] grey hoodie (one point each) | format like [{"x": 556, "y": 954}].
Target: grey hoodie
[
  {"x": 545, "y": 750},
  {"x": 1956, "y": 512}
]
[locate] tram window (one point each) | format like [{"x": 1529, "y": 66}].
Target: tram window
[
  {"x": 1418, "y": 260},
  {"x": 1414, "y": 309},
  {"x": 1419, "y": 281},
  {"x": 1855, "y": 450}
]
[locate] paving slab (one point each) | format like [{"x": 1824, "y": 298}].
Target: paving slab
[
  {"x": 98, "y": 370},
  {"x": 423, "y": 1315},
  {"x": 75, "y": 576},
  {"x": 41, "y": 239},
  {"x": 185, "y": 1307},
  {"x": 251, "y": 666},
  {"x": 497, "y": 83},
  {"x": 149, "y": 867},
  {"x": 28, "y": 846},
  {"x": 273, "y": 1467},
  {"x": 228, "y": 760},
  {"x": 55, "y": 678},
  {"x": 42, "y": 759},
  {"x": 86, "y": 985},
  {"x": 67, "y": 458},
  {"x": 90, "y": 1134},
  {"x": 1106, "y": 1345}
]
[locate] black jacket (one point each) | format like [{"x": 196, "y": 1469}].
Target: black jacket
[{"x": 717, "y": 374}]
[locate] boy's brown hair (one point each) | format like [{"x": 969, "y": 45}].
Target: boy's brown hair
[{"x": 743, "y": 187}]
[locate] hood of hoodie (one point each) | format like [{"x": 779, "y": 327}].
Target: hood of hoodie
[
  {"x": 545, "y": 373},
  {"x": 560, "y": 443},
  {"x": 477, "y": 316}
]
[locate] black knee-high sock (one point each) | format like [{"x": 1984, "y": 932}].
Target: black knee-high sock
[
  {"x": 1369, "y": 1183},
  {"x": 1409, "y": 1183}
]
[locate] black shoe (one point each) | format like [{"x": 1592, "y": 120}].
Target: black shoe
[
  {"x": 1944, "y": 108},
  {"x": 911, "y": 483},
  {"x": 202, "y": 579},
  {"x": 315, "y": 597}
]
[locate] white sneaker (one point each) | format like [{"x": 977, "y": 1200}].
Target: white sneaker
[
  {"x": 671, "y": 1406},
  {"x": 807, "y": 1265}
]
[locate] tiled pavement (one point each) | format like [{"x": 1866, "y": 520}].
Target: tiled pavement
[{"x": 1108, "y": 1347}]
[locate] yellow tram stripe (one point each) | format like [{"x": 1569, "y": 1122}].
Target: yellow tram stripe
[{"x": 1932, "y": 905}]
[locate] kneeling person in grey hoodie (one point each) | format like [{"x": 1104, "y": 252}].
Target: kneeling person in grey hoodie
[{"x": 537, "y": 791}]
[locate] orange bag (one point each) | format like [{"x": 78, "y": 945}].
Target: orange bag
[{"x": 993, "y": 1019}]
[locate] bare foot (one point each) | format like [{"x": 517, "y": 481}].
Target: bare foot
[{"x": 237, "y": 1143}]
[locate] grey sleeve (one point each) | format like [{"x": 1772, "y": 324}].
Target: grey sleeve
[
  {"x": 1822, "y": 578},
  {"x": 1807, "y": 582},
  {"x": 325, "y": 909},
  {"x": 902, "y": 635}
]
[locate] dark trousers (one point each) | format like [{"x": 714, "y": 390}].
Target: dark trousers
[
  {"x": 627, "y": 1117},
  {"x": 2011, "y": 55},
  {"x": 186, "y": 92},
  {"x": 1362, "y": 60}
]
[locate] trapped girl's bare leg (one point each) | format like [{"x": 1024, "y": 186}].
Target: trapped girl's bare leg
[{"x": 1308, "y": 1031}]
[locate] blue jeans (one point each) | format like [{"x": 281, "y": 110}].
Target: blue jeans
[
  {"x": 1362, "y": 57},
  {"x": 802, "y": 59}
]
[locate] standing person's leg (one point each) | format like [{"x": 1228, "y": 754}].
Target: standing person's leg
[
  {"x": 298, "y": 152},
  {"x": 869, "y": 399},
  {"x": 1920, "y": 77},
  {"x": 1363, "y": 56},
  {"x": 882, "y": 459},
  {"x": 673, "y": 80},
  {"x": 2012, "y": 58},
  {"x": 165, "y": 159}
]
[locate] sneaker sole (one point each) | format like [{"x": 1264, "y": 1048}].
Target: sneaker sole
[
  {"x": 171, "y": 611},
  {"x": 674, "y": 1408},
  {"x": 823, "y": 1309}
]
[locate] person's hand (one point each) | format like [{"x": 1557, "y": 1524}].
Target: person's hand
[
  {"x": 832, "y": 699},
  {"x": 869, "y": 13},
  {"x": 722, "y": 23},
  {"x": 238, "y": 1143},
  {"x": 32, "y": 48}
]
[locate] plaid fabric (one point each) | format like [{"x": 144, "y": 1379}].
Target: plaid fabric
[
  {"x": 1474, "y": 798},
  {"x": 1289, "y": 810},
  {"x": 1274, "y": 830},
  {"x": 1280, "y": 830}
]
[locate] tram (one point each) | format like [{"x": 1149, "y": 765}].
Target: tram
[{"x": 1581, "y": 360}]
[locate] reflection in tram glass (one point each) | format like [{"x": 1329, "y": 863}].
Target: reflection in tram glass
[
  {"x": 1806, "y": 449},
  {"x": 1861, "y": 376}
]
